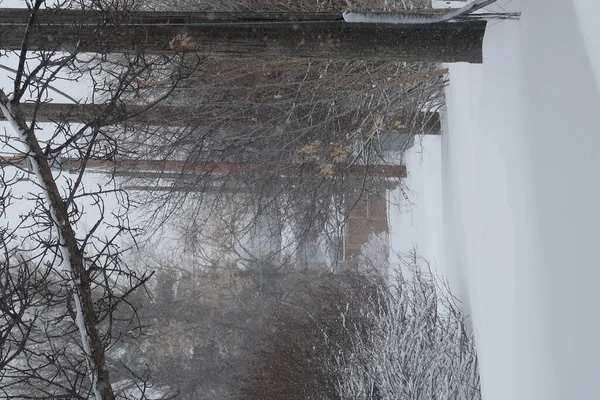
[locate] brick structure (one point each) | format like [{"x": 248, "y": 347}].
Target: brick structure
[{"x": 368, "y": 216}]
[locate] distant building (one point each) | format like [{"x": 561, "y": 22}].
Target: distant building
[{"x": 369, "y": 211}]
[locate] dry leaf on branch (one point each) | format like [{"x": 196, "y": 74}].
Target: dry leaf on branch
[{"x": 181, "y": 43}]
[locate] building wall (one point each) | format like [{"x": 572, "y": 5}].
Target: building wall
[{"x": 368, "y": 216}]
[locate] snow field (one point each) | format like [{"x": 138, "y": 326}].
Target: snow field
[{"x": 520, "y": 201}]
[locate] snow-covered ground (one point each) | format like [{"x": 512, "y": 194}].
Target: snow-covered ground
[{"x": 520, "y": 200}]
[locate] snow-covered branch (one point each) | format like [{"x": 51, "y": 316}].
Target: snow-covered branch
[{"x": 355, "y": 336}]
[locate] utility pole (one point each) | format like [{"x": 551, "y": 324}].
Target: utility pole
[{"x": 243, "y": 35}]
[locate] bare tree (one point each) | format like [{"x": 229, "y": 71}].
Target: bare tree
[
  {"x": 301, "y": 135},
  {"x": 66, "y": 294},
  {"x": 24, "y": 298},
  {"x": 209, "y": 321},
  {"x": 289, "y": 140},
  {"x": 302, "y": 335}
]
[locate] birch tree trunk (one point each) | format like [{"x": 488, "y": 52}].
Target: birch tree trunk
[{"x": 73, "y": 260}]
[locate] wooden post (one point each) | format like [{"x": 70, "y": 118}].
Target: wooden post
[{"x": 265, "y": 36}]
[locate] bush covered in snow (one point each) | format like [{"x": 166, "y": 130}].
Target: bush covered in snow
[{"x": 358, "y": 337}]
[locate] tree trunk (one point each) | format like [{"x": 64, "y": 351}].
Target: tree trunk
[
  {"x": 160, "y": 168},
  {"x": 230, "y": 35},
  {"x": 226, "y": 168},
  {"x": 72, "y": 254},
  {"x": 159, "y": 115}
]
